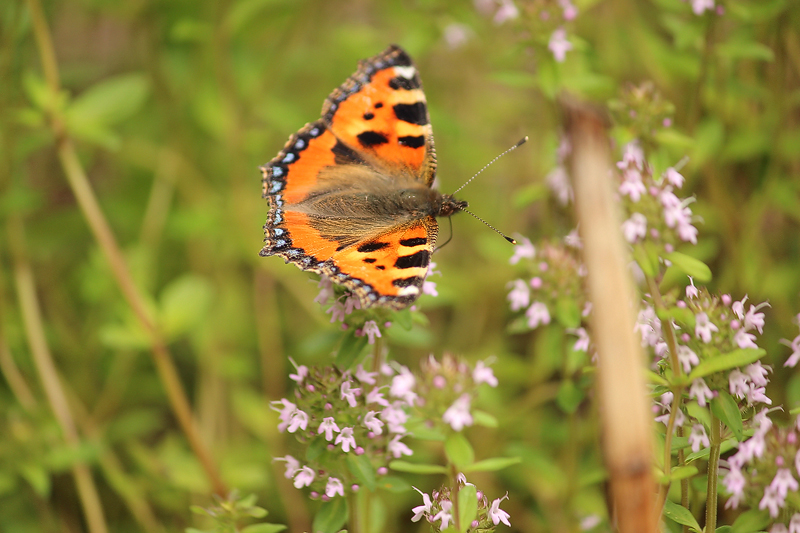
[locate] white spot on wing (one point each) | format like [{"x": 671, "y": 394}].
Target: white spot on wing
[
  {"x": 408, "y": 291},
  {"x": 405, "y": 72}
]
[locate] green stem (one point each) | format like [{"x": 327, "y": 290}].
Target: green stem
[
  {"x": 684, "y": 481},
  {"x": 713, "y": 465}
]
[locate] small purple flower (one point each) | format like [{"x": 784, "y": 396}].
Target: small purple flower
[
  {"x": 325, "y": 287},
  {"x": 458, "y": 415},
  {"x": 292, "y": 465},
  {"x": 582, "y": 344},
  {"x": 506, "y": 11},
  {"x": 757, "y": 373},
  {"x": 334, "y": 487},
  {"x": 444, "y": 515},
  {"x": 346, "y": 439},
  {"x": 744, "y": 339},
  {"x": 632, "y": 184},
  {"x": 372, "y": 423},
  {"x": 520, "y": 295},
  {"x": 674, "y": 177},
  {"x": 771, "y": 500},
  {"x": 348, "y": 393},
  {"x": 394, "y": 418},
  {"x": 337, "y": 312},
  {"x": 704, "y": 327},
  {"x": 691, "y": 290},
  {"x": 328, "y": 426},
  {"x": 303, "y": 478},
  {"x": 397, "y": 448},
  {"x": 423, "y": 509},
  {"x": 738, "y": 307},
  {"x": 285, "y": 413},
  {"x": 734, "y": 482},
  {"x": 687, "y": 358},
  {"x": 302, "y": 372},
  {"x": 498, "y": 515},
  {"x": 698, "y": 438},
  {"x": 403, "y": 386},
  {"x": 794, "y": 523},
  {"x": 738, "y": 383},
  {"x": 558, "y": 181},
  {"x": 784, "y": 482},
  {"x": 635, "y": 228},
  {"x": 365, "y": 377},
  {"x": 559, "y": 45},
  {"x": 570, "y": 12},
  {"x": 700, "y": 390},
  {"x": 537, "y": 314},
  {"x": 371, "y": 330},
  {"x": 632, "y": 153},
  {"x": 523, "y": 250},
  {"x": 376, "y": 396},
  {"x": 700, "y": 6},
  {"x": 483, "y": 374},
  {"x": 754, "y": 319},
  {"x": 299, "y": 420}
]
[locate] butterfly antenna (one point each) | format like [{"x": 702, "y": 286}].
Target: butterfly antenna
[
  {"x": 450, "y": 238},
  {"x": 520, "y": 143},
  {"x": 506, "y": 237}
]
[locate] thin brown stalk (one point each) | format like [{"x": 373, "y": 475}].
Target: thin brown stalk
[
  {"x": 627, "y": 424},
  {"x": 99, "y": 226},
  {"x": 48, "y": 374}
]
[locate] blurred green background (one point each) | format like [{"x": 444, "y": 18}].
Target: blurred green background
[{"x": 173, "y": 105}]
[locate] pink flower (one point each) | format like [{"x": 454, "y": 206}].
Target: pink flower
[
  {"x": 558, "y": 181},
  {"x": 794, "y": 523},
  {"x": 674, "y": 177},
  {"x": 559, "y": 45},
  {"x": 458, "y": 415},
  {"x": 498, "y": 515},
  {"x": 757, "y": 373},
  {"x": 734, "y": 482},
  {"x": 523, "y": 250},
  {"x": 537, "y": 314},
  {"x": 302, "y": 372},
  {"x": 691, "y": 290},
  {"x": 784, "y": 482},
  {"x": 738, "y": 381},
  {"x": 423, "y": 509},
  {"x": 348, "y": 393},
  {"x": 372, "y": 423},
  {"x": 365, "y": 377},
  {"x": 325, "y": 287},
  {"x": 570, "y": 12},
  {"x": 738, "y": 307},
  {"x": 328, "y": 426},
  {"x": 632, "y": 184},
  {"x": 394, "y": 418},
  {"x": 795, "y": 346},
  {"x": 635, "y": 227},
  {"x": 285, "y": 413},
  {"x": 483, "y": 374},
  {"x": 687, "y": 358},
  {"x": 698, "y": 438},
  {"x": 699, "y": 6},
  {"x": 444, "y": 515},
  {"x": 371, "y": 330},
  {"x": 744, "y": 339},
  {"x": 582, "y": 344},
  {"x": 397, "y": 448},
  {"x": 632, "y": 153},
  {"x": 704, "y": 327},
  {"x": 507, "y": 11},
  {"x": 346, "y": 439},
  {"x": 754, "y": 319},
  {"x": 771, "y": 500},
  {"x": 376, "y": 396},
  {"x": 520, "y": 295},
  {"x": 303, "y": 478},
  {"x": 403, "y": 386},
  {"x": 334, "y": 487},
  {"x": 299, "y": 420},
  {"x": 700, "y": 390},
  {"x": 292, "y": 465},
  {"x": 337, "y": 312}
]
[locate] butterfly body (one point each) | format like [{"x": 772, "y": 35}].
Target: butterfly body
[{"x": 350, "y": 194}]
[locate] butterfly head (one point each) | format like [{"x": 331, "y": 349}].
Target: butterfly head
[{"x": 451, "y": 206}]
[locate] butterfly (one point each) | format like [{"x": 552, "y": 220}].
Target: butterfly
[{"x": 350, "y": 194}]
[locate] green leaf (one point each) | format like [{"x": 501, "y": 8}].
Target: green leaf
[
  {"x": 492, "y": 465},
  {"x": 680, "y": 514},
  {"x": 110, "y": 101},
  {"x": 263, "y": 528},
  {"x": 458, "y": 450},
  {"x": 350, "y": 349},
  {"x": 751, "y": 521},
  {"x": 738, "y": 49},
  {"x": 734, "y": 359},
  {"x": 690, "y": 266},
  {"x": 726, "y": 409},
  {"x": 361, "y": 468},
  {"x": 331, "y": 517},
  {"x": 682, "y": 472},
  {"x": 184, "y": 302},
  {"x": 394, "y": 484},
  {"x": 644, "y": 258},
  {"x": 482, "y": 418},
  {"x": 413, "y": 468},
  {"x": 467, "y": 506},
  {"x": 37, "y": 477},
  {"x": 568, "y": 313},
  {"x": 569, "y": 396}
]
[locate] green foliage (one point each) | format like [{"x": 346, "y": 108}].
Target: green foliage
[{"x": 172, "y": 107}]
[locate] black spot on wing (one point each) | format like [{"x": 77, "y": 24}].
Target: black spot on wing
[
  {"x": 415, "y": 113},
  {"x": 380, "y": 267},
  {"x": 407, "y": 282},
  {"x": 344, "y": 155},
  {"x": 369, "y": 116},
  {"x": 371, "y": 138},
  {"x": 415, "y": 241},
  {"x": 369, "y": 259},
  {"x": 412, "y": 141},
  {"x": 378, "y": 105},
  {"x": 372, "y": 247},
  {"x": 419, "y": 259},
  {"x": 406, "y": 84}
]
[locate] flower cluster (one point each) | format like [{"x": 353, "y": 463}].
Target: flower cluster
[
  {"x": 764, "y": 473},
  {"x": 706, "y": 327},
  {"x": 445, "y": 390},
  {"x": 438, "y": 510},
  {"x": 555, "y": 287},
  {"x": 364, "y": 414},
  {"x": 341, "y": 414}
]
